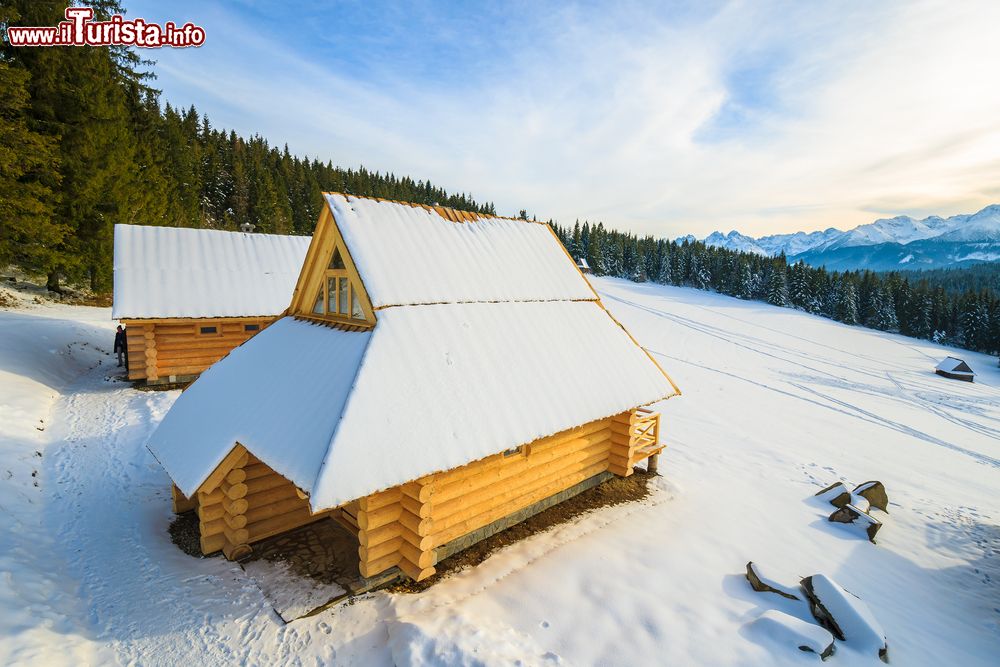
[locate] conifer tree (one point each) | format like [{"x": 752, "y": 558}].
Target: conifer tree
[{"x": 28, "y": 229}]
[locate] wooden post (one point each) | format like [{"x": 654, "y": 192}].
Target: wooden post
[{"x": 651, "y": 466}]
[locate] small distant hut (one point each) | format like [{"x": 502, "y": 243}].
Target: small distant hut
[
  {"x": 956, "y": 369},
  {"x": 189, "y": 296},
  {"x": 583, "y": 265},
  {"x": 439, "y": 377}
]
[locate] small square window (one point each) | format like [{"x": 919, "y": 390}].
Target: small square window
[
  {"x": 208, "y": 330},
  {"x": 251, "y": 327},
  {"x": 513, "y": 451}
]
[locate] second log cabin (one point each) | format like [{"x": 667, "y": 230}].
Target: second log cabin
[
  {"x": 189, "y": 296},
  {"x": 438, "y": 377}
]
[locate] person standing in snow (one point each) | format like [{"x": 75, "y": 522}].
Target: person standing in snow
[{"x": 121, "y": 347}]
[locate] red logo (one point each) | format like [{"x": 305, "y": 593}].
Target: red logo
[{"x": 79, "y": 29}]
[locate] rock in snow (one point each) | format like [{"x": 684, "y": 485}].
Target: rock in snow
[
  {"x": 845, "y": 615},
  {"x": 788, "y": 629},
  {"x": 835, "y": 494},
  {"x": 856, "y": 516},
  {"x": 763, "y": 584},
  {"x": 874, "y": 491}
]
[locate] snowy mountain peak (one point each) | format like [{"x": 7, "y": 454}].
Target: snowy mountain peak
[
  {"x": 978, "y": 228},
  {"x": 734, "y": 241}
]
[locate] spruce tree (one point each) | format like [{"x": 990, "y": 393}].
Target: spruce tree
[{"x": 29, "y": 232}]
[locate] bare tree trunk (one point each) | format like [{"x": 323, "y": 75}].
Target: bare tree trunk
[{"x": 53, "y": 283}]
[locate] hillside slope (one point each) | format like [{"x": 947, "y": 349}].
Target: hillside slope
[{"x": 776, "y": 405}]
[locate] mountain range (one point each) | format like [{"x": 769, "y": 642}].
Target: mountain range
[{"x": 886, "y": 244}]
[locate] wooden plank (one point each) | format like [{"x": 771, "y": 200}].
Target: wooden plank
[
  {"x": 515, "y": 477},
  {"x": 259, "y": 513},
  {"x": 371, "y": 568},
  {"x": 422, "y": 559},
  {"x": 379, "y": 550},
  {"x": 415, "y": 524},
  {"x": 415, "y": 572},
  {"x": 448, "y": 515},
  {"x": 415, "y": 507},
  {"x": 370, "y": 538},
  {"x": 380, "y": 517},
  {"x": 494, "y": 474},
  {"x": 181, "y": 502},
  {"x": 275, "y": 494},
  {"x": 236, "y": 458},
  {"x": 212, "y": 543},
  {"x": 511, "y": 506},
  {"x": 381, "y": 499},
  {"x": 265, "y": 483},
  {"x": 419, "y": 492}
]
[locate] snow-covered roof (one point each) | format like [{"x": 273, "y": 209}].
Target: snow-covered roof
[
  {"x": 344, "y": 414},
  {"x": 164, "y": 272},
  {"x": 954, "y": 365},
  {"x": 409, "y": 255}
]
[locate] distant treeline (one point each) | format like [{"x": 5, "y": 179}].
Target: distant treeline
[
  {"x": 958, "y": 307},
  {"x": 85, "y": 145}
]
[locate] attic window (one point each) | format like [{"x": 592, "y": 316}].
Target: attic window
[
  {"x": 339, "y": 297},
  {"x": 337, "y": 262},
  {"x": 251, "y": 327},
  {"x": 208, "y": 330},
  {"x": 514, "y": 451}
]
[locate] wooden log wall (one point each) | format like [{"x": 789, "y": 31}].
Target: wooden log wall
[
  {"x": 159, "y": 349},
  {"x": 403, "y": 526},
  {"x": 622, "y": 445},
  {"x": 252, "y": 503}
]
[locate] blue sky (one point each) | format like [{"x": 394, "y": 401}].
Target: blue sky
[{"x": 664, "y": 118}]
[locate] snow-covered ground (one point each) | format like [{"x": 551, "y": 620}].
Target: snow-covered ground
[{"x": 776, "y": 405}]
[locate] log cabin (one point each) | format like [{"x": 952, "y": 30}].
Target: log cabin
[
  {"x": 189, "y": 296},
  {"x": 956, "y": 369},
  {"x": 438, "y": 376}
]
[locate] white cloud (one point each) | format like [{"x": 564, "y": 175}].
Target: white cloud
[{"x": 621, "y": 115}]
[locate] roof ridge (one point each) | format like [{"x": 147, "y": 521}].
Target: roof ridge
[{"x": 446, "y": 212}]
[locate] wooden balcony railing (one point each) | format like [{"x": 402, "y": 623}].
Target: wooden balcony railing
[{"x": 645, "y": 435}]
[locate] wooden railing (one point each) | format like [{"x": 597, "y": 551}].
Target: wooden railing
[{"x": 645, "y": 433}]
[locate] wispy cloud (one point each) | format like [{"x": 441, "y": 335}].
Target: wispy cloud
[{"x": 763, "y": 116}]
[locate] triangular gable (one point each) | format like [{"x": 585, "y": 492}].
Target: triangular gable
[
  {"x": 954, "y": 365},
  {"x": 329, "y": 287}
]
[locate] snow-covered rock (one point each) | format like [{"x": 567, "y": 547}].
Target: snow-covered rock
[
  {"x": 764, "y": 584},
  {"x": 792, "y": 631},
  {"x": 857, "y": 518},
  {"x": 846, "y": 616},
  {"x": 836, "y": 494},
  {"x": 874, "y": 492}
]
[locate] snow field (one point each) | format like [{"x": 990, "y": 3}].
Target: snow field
[{"x": 777, "y": 404}]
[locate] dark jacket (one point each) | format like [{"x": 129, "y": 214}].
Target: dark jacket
[{"x": 120, "y": 345}]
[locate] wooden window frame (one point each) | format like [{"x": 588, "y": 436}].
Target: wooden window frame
[
  {"x": 249, "y": 327},
  {"x": 345, "y": 275}
]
